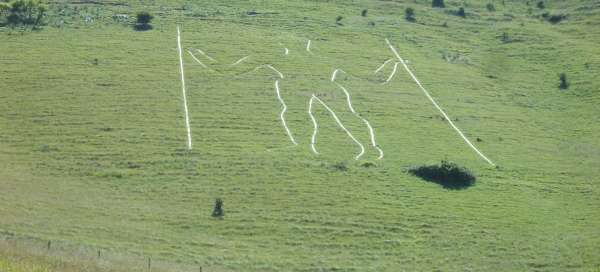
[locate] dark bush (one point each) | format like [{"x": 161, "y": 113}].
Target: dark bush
[
  {"x": 461, "y": 12},
  {"x": 340, "y": 166},
  {"x": 541, "y": 5},
  {"x": 409, "y": 14},
  {"x": 218, "y": 210},
  {"x": 143, "y": 19},
  {"x": 490, "y": 7},
  {"x": 438, "y": 4},
  {"x": 447, "y": 174},
  {"x": 364, "y": 13},
  {"x": 23, "y": 12},
  {"x": 564, "y": 84},
  {"x": 338, "y": 20},
  {"x": 555, "y": 19}
]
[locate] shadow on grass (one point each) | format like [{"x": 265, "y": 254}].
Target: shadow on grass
[{"x": 448, "y": 174}]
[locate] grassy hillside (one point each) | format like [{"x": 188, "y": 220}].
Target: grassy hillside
[{"x": 93, "y": 139}]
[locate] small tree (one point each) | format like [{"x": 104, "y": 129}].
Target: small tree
[
  {"x": 564, "y": 84},
  {"x": 438, "y": 4},
  {"x": 143, "y": 19},
  {"x": 409, "y": 14},
  {"x": 338, "y": 20},
  {"x": 364, "y": 13},
  {"x": 461, "y": 12},
  {"x": 218, "y": 210},
  {"x": 541, "y": 5},
  {"x": 23, "y": 12},
  {"x": 490, "y": 7}
]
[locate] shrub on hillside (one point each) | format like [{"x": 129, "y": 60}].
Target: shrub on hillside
[
  {"x": 461, "y": 12},
  {"x": 340, "y": 166},
  {"x": 218, "y": 209},
  {"x": 438, "y": 4},
  {"x": 541, "y": 5},
  {"x": 364, "y": 13},
  {"x": 555, "y": 19},
  {"x": 409, "y": 14},
  {"x": 564, "y": 84},
  {"x": 447, "y": 174},
  {"x": 143, "y": 19},
  {"x": 23, "y": 12},
  {"x": 490, "y": 7},
  {"x": 338, "y": 20}
]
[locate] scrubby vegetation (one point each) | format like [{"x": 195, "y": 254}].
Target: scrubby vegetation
[
  {"x": 447, "y": 174},
  {"x": 564, "y": 84},
  {"x": 143, "y": 20},
  {"x": 218, "y": 209},
  {"x": 461, "y": 12},
  {"x": 438, "y": 4},
  {"x": 409, "y": 14},
  {"x": 23, "y": 12}
]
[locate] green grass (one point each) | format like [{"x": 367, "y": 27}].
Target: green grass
[{"x": 94, "y": 155}]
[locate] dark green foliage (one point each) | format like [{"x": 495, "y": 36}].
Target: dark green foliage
[
  {"x": 338, "y": 20},
  {"x": 143, "y": 19},
  {"x": 461, "y": 12},
  {"x": 218, "y": 209},
  {"x": 340, "y": 166},
  {"x": 368, "y": 164},
  {"x": 555, "y": 19},
  {"x": 505, "y": 38},
  {"x": 541, "y": 5},
  {"x": 490, "y": 7},
  {"x": 409, "y": 14},
  {"x": 23, "y": 12},
  {"x": 564, "y": 84},
  {"x": 438, "y": 4},
  {"x": 364, "y": 13},
  {"x": 447, "y": 174}
]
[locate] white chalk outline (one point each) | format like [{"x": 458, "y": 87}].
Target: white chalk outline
[
  {"x": 337, "y": 120},
  {"x": 185, "y": 106},
  {"x": 205, "y": 55},
  {"x": 313, "y": 139},
  {"x": 437, "y": 106},
  {"x": 308, "y": 46},
  {"x": 287, "y": 51},
  {"x": 196, "y": 59},
  {"x": 382, "y": 65},
  {"x": 239, "y": 61},
  {"x": 349, "y": 101},
  {"x": 392, "y": 74},
  {"x": 270, "y": 67},
  {"x": 281, "y": 115}
]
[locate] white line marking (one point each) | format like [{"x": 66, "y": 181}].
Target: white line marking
[
  {"x": 371, "y": 131},
  {"x": 205, "y": 55},
  {"x": 382, "y": 65},
  {"x": 239, "y": 61},
  {"x": 308, "y": 46},
  {"x": 287, "y": 51},
  {"x": 436, "y": 105},
  {"x": 196, "y": 59},
  {"x": 337, "y": 120},
  {"x": 313, "y": 139},
  {"x": 392, "y": 74},
  {"x": 287, "y": 130},
  {"x": 185, "y": 107},
  {"x": 270, "y": 67},
  {"x": 335, "y": 74}
]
